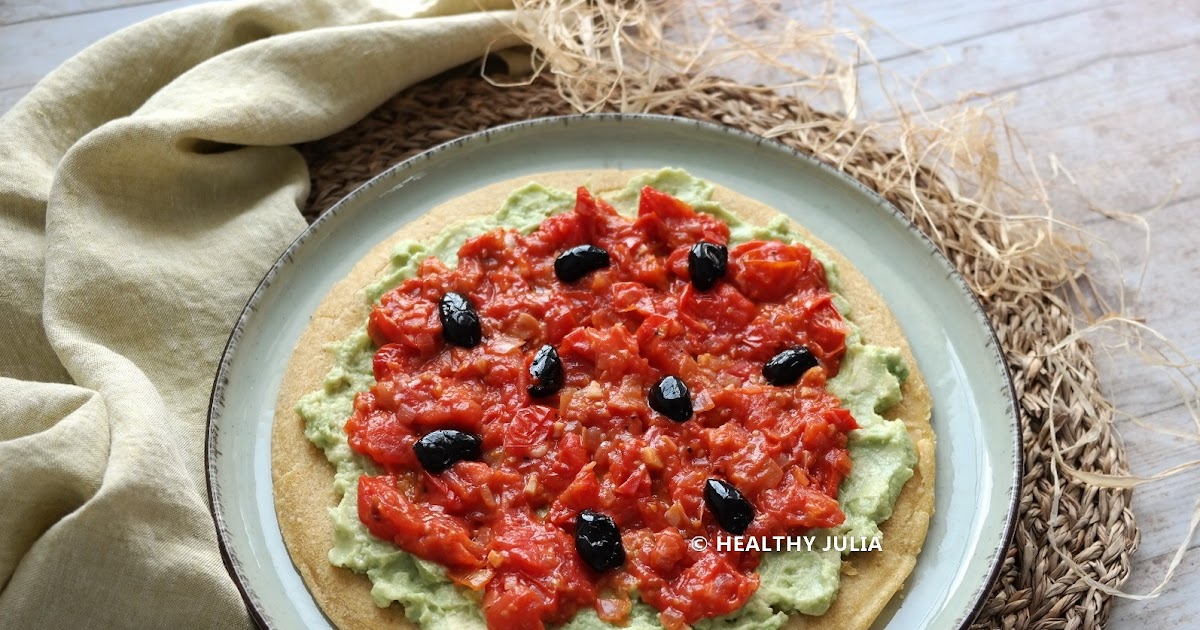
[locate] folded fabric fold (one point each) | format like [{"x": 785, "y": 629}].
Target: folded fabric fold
[{"x": 146, "y": 186}]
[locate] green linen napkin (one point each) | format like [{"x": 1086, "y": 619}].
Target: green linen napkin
[{"x": 145, "y": 187}]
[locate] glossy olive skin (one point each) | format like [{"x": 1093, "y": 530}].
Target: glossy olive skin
[
  {"x": 670, "y": 397},
  {"x": 547, "y": 372},
  {"x": 734, "y": 513},
  {"x": 788, "y": 366},
  {"x": 443, "y": 448},
  {"x": 598, "y": 541},
  {"x": 460, "y": 322},
  {"x": 706, "y": 264},
  {"x": 578, "y": 262}
]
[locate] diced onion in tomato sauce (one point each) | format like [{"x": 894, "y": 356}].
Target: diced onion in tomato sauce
[{"x": 504, "y": 525}]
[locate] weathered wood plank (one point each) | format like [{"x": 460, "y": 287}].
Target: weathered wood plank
[
  {"x": 906, "y": 29},
  {"x": 1083, "y": 85},
  {"x": 17, "y": 11},
  {"x": 30, "y": 50},
  {"x": 1162, "y": 512}
]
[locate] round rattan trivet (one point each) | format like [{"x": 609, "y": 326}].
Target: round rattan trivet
[{"x": 1036, "y": 588}]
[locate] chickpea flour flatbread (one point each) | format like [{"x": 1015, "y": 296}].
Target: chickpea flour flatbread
[{"x": 302, "y": 476}]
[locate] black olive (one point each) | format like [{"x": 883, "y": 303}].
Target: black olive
[
  {"x": 441, "y": 449},
  {"x": 706, "y": 264},
  {"x": 578, "y": 262},
  {"x": 547, "y": 372},
  {"x": 670, "y": 397},
  {"x": 598, "y": 541},
  {"x": 732, "y": 510},
  {"x": 460, "y": 322},
  {"x": 788, "y": 366}
]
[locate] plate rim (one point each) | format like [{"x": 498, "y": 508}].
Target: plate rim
[{"x": 216, "y": 394}]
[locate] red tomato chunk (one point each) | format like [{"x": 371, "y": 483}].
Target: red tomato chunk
[{"x": 505, "y": 525}]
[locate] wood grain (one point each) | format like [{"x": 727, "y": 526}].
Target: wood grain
[
  {"x": 1112, "y": 89},
  {"x": 18, "y": 11},
  {"x": 31, "y": 49}
]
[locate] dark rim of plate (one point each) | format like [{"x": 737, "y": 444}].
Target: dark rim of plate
[{"x": 215, "y": 404}]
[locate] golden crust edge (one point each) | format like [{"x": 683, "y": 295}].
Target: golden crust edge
[{"x": 301, "y": 473}]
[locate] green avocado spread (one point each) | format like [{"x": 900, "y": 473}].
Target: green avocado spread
[{"x": 802, "y": 581}]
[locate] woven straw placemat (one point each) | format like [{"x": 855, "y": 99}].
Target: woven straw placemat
[{"x": 1036, "y": 589}]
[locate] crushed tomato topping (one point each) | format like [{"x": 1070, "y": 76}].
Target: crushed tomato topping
[{"x": 504, "y": 524}]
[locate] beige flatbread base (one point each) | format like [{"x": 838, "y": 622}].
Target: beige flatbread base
[{"x": 303, "y": 477}]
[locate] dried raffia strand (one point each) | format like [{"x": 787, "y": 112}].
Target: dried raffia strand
[{"x": 1075, "y": 533}]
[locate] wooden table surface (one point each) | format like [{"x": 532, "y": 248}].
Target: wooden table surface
[{"x": 1110, "y": 88}]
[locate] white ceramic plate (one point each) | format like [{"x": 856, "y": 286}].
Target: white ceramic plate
[{"x": 978, "y": 451}]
